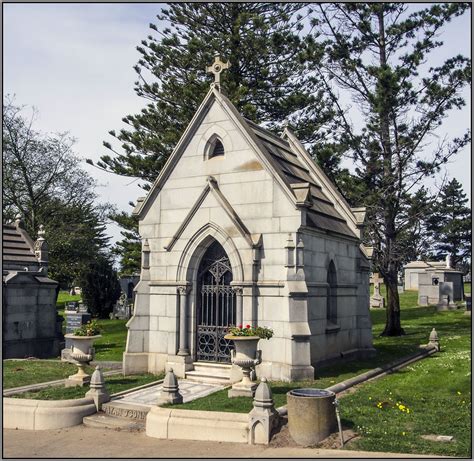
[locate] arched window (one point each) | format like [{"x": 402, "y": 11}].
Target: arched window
[
  {"x": 215, "y": 148},
  {"x": 218, "y": 149},
  {"x": 331, "y": 300}
]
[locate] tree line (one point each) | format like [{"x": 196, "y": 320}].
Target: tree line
[{"x": 354, "y": 82}]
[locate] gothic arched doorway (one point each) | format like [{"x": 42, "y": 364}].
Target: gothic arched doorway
[{"x": 216, "y": 306}]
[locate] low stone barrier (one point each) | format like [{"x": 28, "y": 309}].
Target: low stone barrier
[
  {"x": 217, "y": 426},
  {"x": 45, "y": 414}
]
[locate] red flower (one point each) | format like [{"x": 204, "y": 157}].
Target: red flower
[
  {"x": 247, "y": 326},
  {"x": 240, "y": 326}
]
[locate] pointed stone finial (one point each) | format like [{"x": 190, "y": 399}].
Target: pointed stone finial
[
  {"x": 290, "y": 252},
  {"x": 300, "y": 253},
  {"x": 263, "y": 395},
  {"x": 19, "y": 221},
  {"x": 216, "y": 68},
  {"x": 263, "y": 417},
  {"x": 41, "y": 232},
  {"x": 289, "y": 242},
  {"x": 434, "y": 339},
  {"x": 145, "y": 254},
  {"x": 98, "y": 390},
  {"x": 170, "y": 390}
]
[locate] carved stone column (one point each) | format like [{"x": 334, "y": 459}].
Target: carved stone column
[
  {"x": 183, "y": 324},
  {"x": 239, "y": 307}
]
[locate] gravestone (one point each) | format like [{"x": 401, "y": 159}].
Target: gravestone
[
  {"x": 71, "y": 306},
  {"x": 122, "y": 308},
  {"x": 400, "y": 286},
  {"x": 76, "y": 315},
  {"x": 377, "y": 300}
]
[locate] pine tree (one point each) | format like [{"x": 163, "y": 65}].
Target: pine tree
[
  {"x": 267, "y": 80},
  {"x": 376, "y": 53},
  {"x": 450, "y": 225},
  {"x": 129, "y": 248}
]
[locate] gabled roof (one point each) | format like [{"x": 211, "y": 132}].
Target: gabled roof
[
  {"x": 17, "y": 247},
  {"x": 287, "y": 161}
]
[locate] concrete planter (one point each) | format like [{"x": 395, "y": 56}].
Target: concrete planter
[
  {"x": 81, "y": 354},
  {"x": 45, "y": 414},
  {"x": 311, "y": 415},
  {"x": 246, "y": 356}
]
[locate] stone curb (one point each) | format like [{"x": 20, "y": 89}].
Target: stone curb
[
  {"x": 375, "y": 373},
  {"x": 58, "y": 382}
]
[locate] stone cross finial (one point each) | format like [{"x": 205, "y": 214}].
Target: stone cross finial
[
  {"x": 41, "y": 250},
  {"x": 216, "y": 68}
]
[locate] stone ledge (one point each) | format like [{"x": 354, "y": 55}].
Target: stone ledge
[
  {"x": 168, "y": 423},
  {"x": 45, "y": 414}
]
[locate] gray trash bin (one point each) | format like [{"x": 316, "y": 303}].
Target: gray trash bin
[{"x": 311, "y": 415}]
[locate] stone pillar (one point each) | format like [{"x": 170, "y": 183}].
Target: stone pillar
[
  {"x": 183, "y": 324},
  {"x": 263, "y": 418},
  {"x": 170, "y": 390},
  {"x": 239, "y": 308},
  {"x": 98, "y": 390}
]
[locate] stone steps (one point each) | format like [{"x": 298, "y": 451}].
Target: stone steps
[
  {"x": 213, "y": 373},
  {"x": 103, "y": 420}
]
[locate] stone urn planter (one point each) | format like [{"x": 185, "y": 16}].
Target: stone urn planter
[
  {"x": 246, "y": 356},
  {"x": 82, "y": 353}
]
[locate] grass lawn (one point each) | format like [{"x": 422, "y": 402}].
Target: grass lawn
[
  {"x": 64, "y": 297},
  {"x": 114, "y": 384},
  {"x": 24, "y": 372},
  {"x": 112, "y": 344},
  {"x": 436, "y": 390}
]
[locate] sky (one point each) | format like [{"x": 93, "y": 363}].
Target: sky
[{"x": 74, "y": 63}]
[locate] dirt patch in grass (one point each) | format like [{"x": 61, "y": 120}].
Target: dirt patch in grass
[{"x": 282, "y": 438}]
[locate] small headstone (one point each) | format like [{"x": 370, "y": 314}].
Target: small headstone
[
  {"x": 170, "y": 390},
  {"x": 377, "y": 300},
  {"x": 438, "y": 438},
  {"x": 434, "y": 339},
  {"x": 423, "y": 300},
  {"x": 72, "y": 306}
]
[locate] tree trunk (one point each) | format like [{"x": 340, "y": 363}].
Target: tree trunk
[{"x": 393, "y": 325}]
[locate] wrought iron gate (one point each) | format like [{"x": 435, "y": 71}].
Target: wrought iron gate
[{"x": 216, "y": 306}]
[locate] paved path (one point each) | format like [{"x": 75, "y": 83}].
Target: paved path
[{"x": 86, "y": 442}]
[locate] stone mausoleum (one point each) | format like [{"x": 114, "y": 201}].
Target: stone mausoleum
[
  {"x": 31, "y": 325},
  {"x": 242, "y": 227}
]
